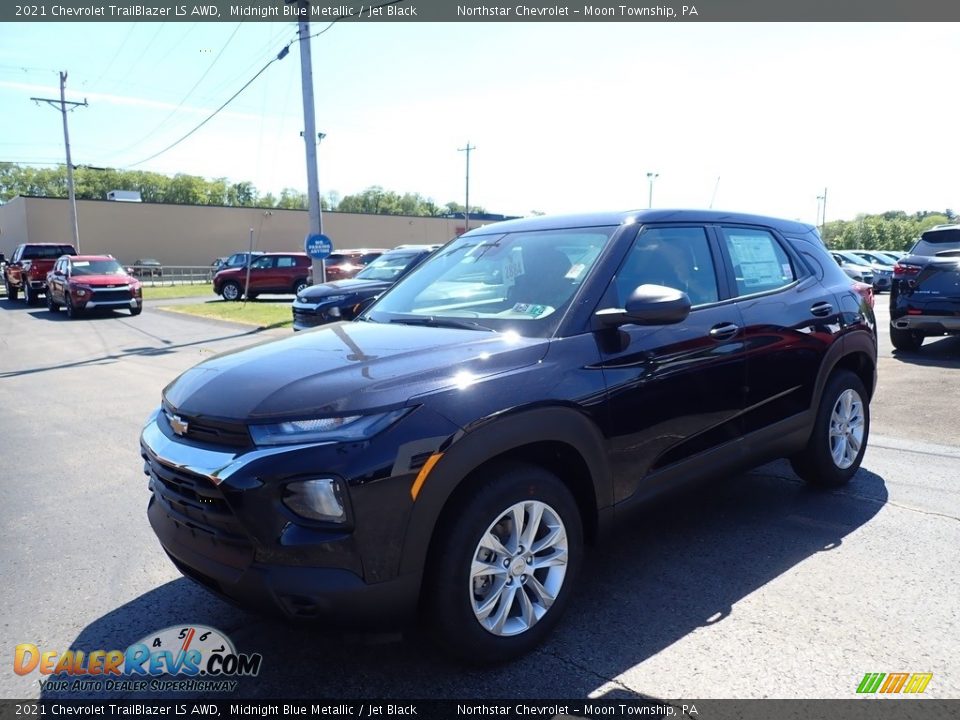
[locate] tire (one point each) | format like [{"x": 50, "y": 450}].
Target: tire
[
  {"x": 72, "y": 312},
  {"x": 52, "y": 305},
  {"x": 29, "y": 296},
  {"x": 11, "y": 291},
  {"x": 231, "y": 291},
  {"x": 909, "y": 340},
  {"x": 840, "y": 432},
  {"x": 497, "y": 616},
  {"x": 134, "y": 311},
  {"x": 300, "y": 285}
]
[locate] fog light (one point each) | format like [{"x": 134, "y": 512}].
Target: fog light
[
  {"x": 334, "y": 312},
  {"x": 318, "y": 499}
]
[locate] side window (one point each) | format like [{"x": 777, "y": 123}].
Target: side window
[
  {"x": 262, "y": 263},
  {"x": 286, "y": 261},
  {"x": 759, "y": 263},
  {"x": 677, "y": 257}
]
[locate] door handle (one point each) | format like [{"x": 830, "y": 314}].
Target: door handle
[
  {"x": 821, "y": 309},
  {"x": 724, "y": 331}
]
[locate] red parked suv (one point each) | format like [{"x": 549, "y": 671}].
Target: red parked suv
[
  {"x": 281, "y": 273},
  {"x": 88, "y": 282}
]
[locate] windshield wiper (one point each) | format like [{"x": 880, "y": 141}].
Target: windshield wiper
[{"x": 442, "y": 322}]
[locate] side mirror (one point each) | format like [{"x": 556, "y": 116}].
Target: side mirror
[{"x": 648, "y": 305}]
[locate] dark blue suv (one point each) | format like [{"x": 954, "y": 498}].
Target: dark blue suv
[{"x": 453, "y": 449}]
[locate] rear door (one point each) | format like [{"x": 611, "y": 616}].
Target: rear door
[{"x": 790, "y": 320}]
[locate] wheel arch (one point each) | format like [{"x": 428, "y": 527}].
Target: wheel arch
[{"x": 560, "y": 439}]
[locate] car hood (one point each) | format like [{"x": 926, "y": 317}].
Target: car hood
[
  {"x": 343, "y": 368},
  {"x": 102, "y": 280},
  {"x": 316, "y": 293}
]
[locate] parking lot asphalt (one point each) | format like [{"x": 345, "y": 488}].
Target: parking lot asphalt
[{"x": 750, "y": 587}]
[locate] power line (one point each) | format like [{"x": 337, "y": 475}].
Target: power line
[
  {"x": 185, "y": 97},
  {"x": 282, "y": 54},
  {"x": 116, "y": 54},
  {"x": 344, "y": 17}
]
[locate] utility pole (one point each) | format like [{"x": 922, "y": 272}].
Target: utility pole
[
  {"x": 61, "y": 104},
  {"x": 310, "y": 137},
  {"x": 466, "y": 207},
  {"x": 650, "y": 178}
]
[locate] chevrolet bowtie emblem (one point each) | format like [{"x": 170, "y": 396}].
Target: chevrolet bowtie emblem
[{"x": 178, "y": 424}]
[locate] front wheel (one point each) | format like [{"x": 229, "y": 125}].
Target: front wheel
[
  {"x": 72, "y": 312},
  {"x": 839, "y": 438},
  {"x": 29, "y": 295},
  {"x": 504, "y": 564},
  {"x": 52, "y": 305},
  {"x": 231, "y": 291},
  {"x": 300, "y": 285},
  {"x": 11, "y": 291},
  {"x": 909, "y": 340},
  {"x": 134, "y": 311}
]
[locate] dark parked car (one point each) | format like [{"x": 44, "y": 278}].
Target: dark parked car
[
  {"x": 453, "y": 452},
  {"x": 347, "y": 263},
  {"x": 146, "y": 267},
  {"x": 279, "y": 273},
  {"x": 89, "y": 282},
  {"x": 925, "y": 297},
  {"x": 343, "y": 299}
]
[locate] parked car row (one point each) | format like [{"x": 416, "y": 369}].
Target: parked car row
[{"x": 75, "y": 282}]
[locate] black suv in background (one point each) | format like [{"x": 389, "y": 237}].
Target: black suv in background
[
  {"x": 344, "y": 299},
  {"x": 453, "y": 449},
  {"x": 925, "y": 295}
]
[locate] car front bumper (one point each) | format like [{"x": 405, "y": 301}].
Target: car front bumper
[{"x": 218, "y": 516}]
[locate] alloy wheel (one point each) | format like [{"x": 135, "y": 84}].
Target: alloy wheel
[
  {"x": 518, "y": 568},
  {"x": 846, "y": 429}
]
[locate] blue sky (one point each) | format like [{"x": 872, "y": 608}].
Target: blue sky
[{"x": 565, "y": 117}]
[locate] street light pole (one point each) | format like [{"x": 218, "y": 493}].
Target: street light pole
[
  {"x": 466, "y": 208},
  {"x": 650, "y": 178}
]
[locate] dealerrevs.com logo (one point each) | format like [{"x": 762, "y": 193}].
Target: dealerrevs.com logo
[{"x": 189, "y": 658}]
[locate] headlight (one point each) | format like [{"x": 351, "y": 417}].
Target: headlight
[
  {"x": 336, "y": 429},
  {"x": 81, "y": 290},
  {"x": 318, "y": 499}
]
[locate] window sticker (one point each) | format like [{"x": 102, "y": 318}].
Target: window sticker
[
  {"x": 512, "y": 267},
  {"x": 529, "y": 309},
  {"x": 81, "y": 263},
  {"x": 575, "y": 271},
  {"x": 757, "y": 260}
]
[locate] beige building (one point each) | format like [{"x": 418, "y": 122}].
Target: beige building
[{"x": 196, "y": 234}]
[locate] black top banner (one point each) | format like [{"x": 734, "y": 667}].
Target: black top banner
[{"x": 473, "y": 11}]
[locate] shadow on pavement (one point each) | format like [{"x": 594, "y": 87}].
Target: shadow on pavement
[{"x": 680, "y": 564}]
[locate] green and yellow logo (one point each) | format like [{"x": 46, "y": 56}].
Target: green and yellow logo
[{"x": 894, "y": 682}]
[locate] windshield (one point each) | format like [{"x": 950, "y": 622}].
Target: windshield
[
  {"x": 43, "y": 252},
  {"x": 516, "y": 281},
  {"x": 96, "y": 267},
  {"x": 387, "y": 267}
]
